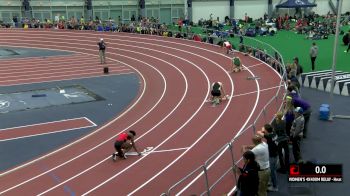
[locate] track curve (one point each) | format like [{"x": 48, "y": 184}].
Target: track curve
[{"x": 170, "y": 113}]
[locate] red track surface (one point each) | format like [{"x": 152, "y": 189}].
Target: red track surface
[{"x": 170, "y": 115}]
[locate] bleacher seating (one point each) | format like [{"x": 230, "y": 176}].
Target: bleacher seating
[{"x": 321, "y": 80}]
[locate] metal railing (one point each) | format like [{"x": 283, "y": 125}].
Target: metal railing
[{"x": 205, "y": 179}]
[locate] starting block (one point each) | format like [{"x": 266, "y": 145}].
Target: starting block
[
  {"x": 253, "y": 78},
  {"x": 144, "y": 152}
]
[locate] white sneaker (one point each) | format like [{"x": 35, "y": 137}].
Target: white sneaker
[
  {"x": 272, "y": 189},
  {"x": 114, "y": 157}
]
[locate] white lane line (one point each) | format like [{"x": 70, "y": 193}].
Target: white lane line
[
  {"x": 86, "y": 118},
  {"x": 252, "y": 92}
]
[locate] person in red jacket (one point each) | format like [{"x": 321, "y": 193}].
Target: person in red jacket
[{"x": 123, "y": 143}]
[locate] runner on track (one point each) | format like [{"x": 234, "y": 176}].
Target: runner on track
[{"x": 123, "y": 143}]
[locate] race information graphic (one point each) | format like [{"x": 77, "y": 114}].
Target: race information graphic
[{"x": 315, "y": 173}]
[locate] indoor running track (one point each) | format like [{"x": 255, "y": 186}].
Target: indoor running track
[{"x": 170, "y": 114}]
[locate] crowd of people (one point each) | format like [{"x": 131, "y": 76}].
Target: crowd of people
[{"x": 270, "y": 151}]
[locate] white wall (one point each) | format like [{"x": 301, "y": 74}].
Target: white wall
[
  {"x": 204, "y": 9},
  {"x": 254, "y": 8}
]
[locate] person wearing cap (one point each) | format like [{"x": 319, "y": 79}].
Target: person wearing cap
[
  {"x": 102, "y": 50},
  {"x": 123, "y": 143},
  {"x": 296, "y": 132},
  {"x": 299, "y": 102}
]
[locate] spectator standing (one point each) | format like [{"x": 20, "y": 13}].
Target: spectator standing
[
  {"x": 15, "y": 21},
  {"x": 313, "y": 55},
  {"x": 241, "y": 36},
  {"x": 261, "y": 152},
  {"x": 248, "y": 180},
  {"x": 271, "y": 139},
  {"x": 102, "y": 51},
  {"x": 288, "y": 114},
  {"x": 299, "y": 67},
  {"x": 299, "y": 102},
  {"x": 279, "y": 127},
  {"x": 296, "y": 133}
]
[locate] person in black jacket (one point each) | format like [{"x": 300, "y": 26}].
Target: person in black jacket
[
  {"x": 248, "y": 180},
  {"x": 102, "y": 49}
]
